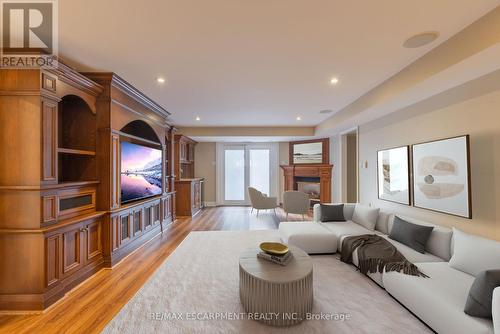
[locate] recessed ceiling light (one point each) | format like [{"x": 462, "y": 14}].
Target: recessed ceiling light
[
  {"x": 160, "y": 80},
  {"x": 334, "y": 81},
  {"x": 198, "y": 118},
  {"x": 326, "y": 111},
  {"x": 421, "y": 39},
  {"x": 299, "y": 118}
]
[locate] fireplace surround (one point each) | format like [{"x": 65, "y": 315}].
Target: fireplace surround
[{"x": 315, "y": 180}]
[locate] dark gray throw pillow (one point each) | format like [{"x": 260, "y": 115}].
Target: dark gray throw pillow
[
  {"x": 332, "y": 213},
  {"x": 412, "y": 235},
  {"x": 481, "y": 294}
]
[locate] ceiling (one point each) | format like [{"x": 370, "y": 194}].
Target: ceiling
[{"x": 254, "y": 63}]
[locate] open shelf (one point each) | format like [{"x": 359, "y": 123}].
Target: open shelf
[
  {"x": 75, "y": 152},
  {"x": 77, "y": 127}
]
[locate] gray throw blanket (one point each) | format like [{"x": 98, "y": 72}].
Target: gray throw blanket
[{"x": 376, "y": 254}]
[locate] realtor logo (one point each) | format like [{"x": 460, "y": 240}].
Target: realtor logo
[{"x": 28, "y": 29}]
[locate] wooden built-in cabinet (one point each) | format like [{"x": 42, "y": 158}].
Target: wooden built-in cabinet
[
  {"x": 184, "y": 152},
  {"x": 73, "y": 252},
  {"x": 189, "y": 189},
  {"x": 132, "y": 226},
  {"x": 126, "y": 114},
  {"x": 61, "y": 214},
  {"x": 189, "y": 196},
  {"x": 50, "y": 227}
]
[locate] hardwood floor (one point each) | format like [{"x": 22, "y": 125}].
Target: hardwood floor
[{"x": 90, "y": 306}]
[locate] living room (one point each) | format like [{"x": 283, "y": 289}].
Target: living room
[{"x": 250, "y": 167}]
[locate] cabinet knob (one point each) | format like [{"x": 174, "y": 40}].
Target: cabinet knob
[{"x": 82, "y": 229}]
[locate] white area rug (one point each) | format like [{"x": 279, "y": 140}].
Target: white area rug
[{"x": 200, "y": 280}]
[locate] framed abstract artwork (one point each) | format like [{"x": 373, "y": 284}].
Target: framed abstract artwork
[
  {"x": 441, "y": 176},
  {"x": 394, "y": 174}
]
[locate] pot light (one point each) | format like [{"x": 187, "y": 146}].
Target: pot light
[
  {"x": 298, "y": 118},
  {"x": 334, "y": 81},
  {"x": 421, "y": 39},
  {"x": 198, "y": 118},
  {"x": 160, "y": 80}
]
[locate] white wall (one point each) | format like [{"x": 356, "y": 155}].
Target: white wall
[
  {"x": 335, "y": 160},
  {"x": 473, "y": 109},
  {"x": 205, "y": 167}
]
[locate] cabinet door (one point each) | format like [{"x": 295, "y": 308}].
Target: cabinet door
[
  {"x": 53, "y": 259},
  {"x": 72, "y": 249},
  {"x": 93, "y": 248},
  {"x": 182, "y": 145},
  {"x": 148, "y": 217},
  {"x": 166, "y": 208},
  {"x": 125, "y": 228},
  {"x": 156, "y": 213},
  {"x": 191, "y": 152},
  {"x": 137, "y": 222},
  {"x": 185, "y": 151}
]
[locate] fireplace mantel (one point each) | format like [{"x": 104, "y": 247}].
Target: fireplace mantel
[{"x": 322, "y": 172}]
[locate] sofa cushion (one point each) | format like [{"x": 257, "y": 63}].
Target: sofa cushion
[
  {"x": 312, "y": 238},
  {"x": 348, "y": 211},
  {"x": 473, "y": 254},
  {"x": 438, "y": 300},
  {"x": 332, "y": 213},
  {"x": 412, "y": 235},
  {"x": 439, "y": 242},
  {"x": 365, "y": 216},
  {"x": 480, "y": 296},
  {"x": 342, "y": 229},
  {"x": 383, "y": 222}
]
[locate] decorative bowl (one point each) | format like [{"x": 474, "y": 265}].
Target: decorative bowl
[{"x": 274, "y": 248}]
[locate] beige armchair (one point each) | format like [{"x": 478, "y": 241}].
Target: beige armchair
[
  {"x": 296, "y": 202},
  {"x": 261, "y": 202}
]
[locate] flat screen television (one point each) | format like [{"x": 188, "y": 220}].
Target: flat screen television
[{"x": 141, "y": 172}]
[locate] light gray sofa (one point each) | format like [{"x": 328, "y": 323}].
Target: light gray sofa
[{"x": 438, "y": 300}]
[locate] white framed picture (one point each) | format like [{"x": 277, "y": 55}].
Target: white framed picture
[
  {"x": 441, "y": 176},
  {"x": 394, "y": 174}
]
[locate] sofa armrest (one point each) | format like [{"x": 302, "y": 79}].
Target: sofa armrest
[{"x": 495, "y": 310}]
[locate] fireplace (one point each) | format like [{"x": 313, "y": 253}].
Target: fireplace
[
  {"x": 310, "y": 186},
  {"x": 314, "y": 180}
]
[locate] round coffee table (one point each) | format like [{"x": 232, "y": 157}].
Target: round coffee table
[{"x": 274, "y": 294}]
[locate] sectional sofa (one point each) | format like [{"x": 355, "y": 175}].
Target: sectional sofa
[{"x": 438, "y": 300}]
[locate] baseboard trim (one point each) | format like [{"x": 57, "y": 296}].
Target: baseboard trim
[{"x": 210, "y": 204}]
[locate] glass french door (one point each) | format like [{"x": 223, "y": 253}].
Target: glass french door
[
  {"x": 234, "y": 175},
  {"x": 246, "y": 165}
]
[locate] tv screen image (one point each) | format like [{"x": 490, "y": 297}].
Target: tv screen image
[{"x": 141, "y": 171}]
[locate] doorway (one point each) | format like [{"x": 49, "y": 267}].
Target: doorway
[{"x": 240, "y": 166}]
